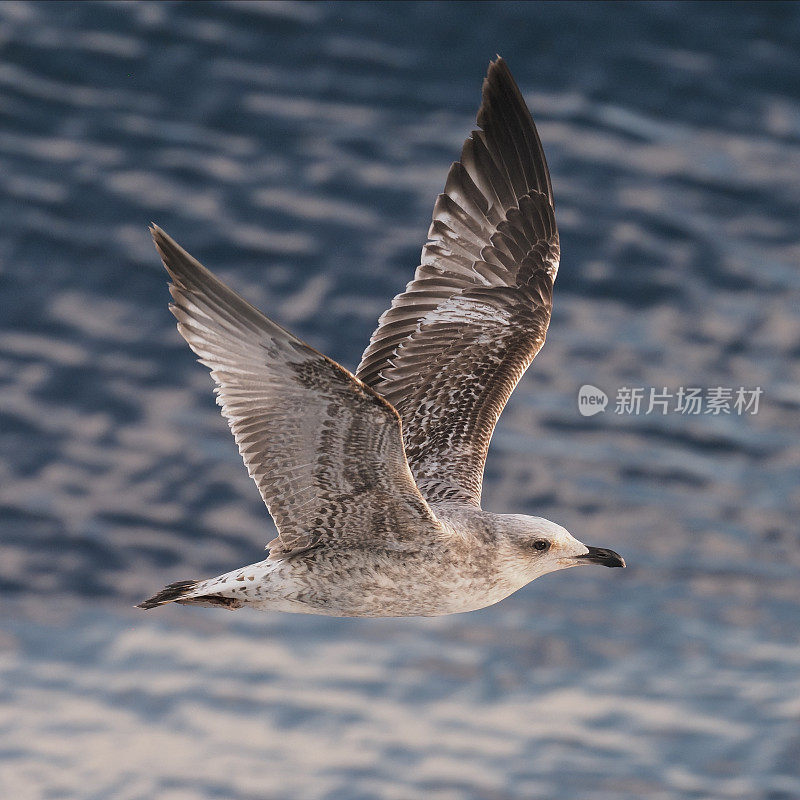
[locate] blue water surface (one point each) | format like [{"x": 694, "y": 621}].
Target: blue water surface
[{"x": 297, "y": 149}]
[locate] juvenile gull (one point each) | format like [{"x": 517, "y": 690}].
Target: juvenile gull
[{"x": 374, "y": 479}]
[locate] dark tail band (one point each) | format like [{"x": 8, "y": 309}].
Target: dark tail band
[{"x": 169, "y": 594}]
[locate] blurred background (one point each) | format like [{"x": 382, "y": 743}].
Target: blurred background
[{"x": 297, "y": 150}]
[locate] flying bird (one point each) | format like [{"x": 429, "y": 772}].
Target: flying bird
[{"x": 374, "y": 479}]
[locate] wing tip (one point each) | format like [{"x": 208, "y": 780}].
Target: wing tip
[
  {"x": 498, "y": 63},
  {"x": 497, "y": 71},
  {"x": 184, "y": 269},
  {"x": 157, "y": 234},
  {"x": 500, "y": 90},
  {"x": 163, "y": 242}
]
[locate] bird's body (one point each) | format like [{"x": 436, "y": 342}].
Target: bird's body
[
  {"x": 374, "y": 479},
  {"x": 475, "y": 561}
]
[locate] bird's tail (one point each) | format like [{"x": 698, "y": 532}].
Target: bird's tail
[{"x": 186, "y": 592}]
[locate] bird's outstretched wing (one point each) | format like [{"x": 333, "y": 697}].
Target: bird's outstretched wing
[
  {"x": 453, "y": 346},
  {"x": 325, "y": 450}
]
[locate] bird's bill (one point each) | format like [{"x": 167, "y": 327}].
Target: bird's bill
[{"x": 600, "y": 555}]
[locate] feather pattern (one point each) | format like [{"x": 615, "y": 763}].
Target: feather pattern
[
  {"x": 324, "y": 449},
  {"x": 454, "y": 344},
  {"x": 351, "y": 468}
]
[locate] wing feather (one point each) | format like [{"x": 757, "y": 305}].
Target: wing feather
[
  {"x": 324, "y": 449},
  {"x": 454, "y": 344}
]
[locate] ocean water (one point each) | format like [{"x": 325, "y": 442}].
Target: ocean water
[{"x": 297, "y": 150}]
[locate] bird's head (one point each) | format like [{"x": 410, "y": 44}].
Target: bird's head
[{"x": 536, "y": 546}]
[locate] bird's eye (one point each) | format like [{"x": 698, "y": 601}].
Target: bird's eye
[{"x": 541, "y": 545}]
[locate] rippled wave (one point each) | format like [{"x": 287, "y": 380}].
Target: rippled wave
[{"x": 297, "y": 149}]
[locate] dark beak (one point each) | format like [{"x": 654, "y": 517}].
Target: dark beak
[{"x": 599, "y": 555}]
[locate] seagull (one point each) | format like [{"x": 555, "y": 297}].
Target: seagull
[{"x": 374, "y": 479}]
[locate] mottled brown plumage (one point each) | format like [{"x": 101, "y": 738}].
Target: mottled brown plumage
[
  {"x": 374, "y": 479},
  {"x": 453, "y": 346}
]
